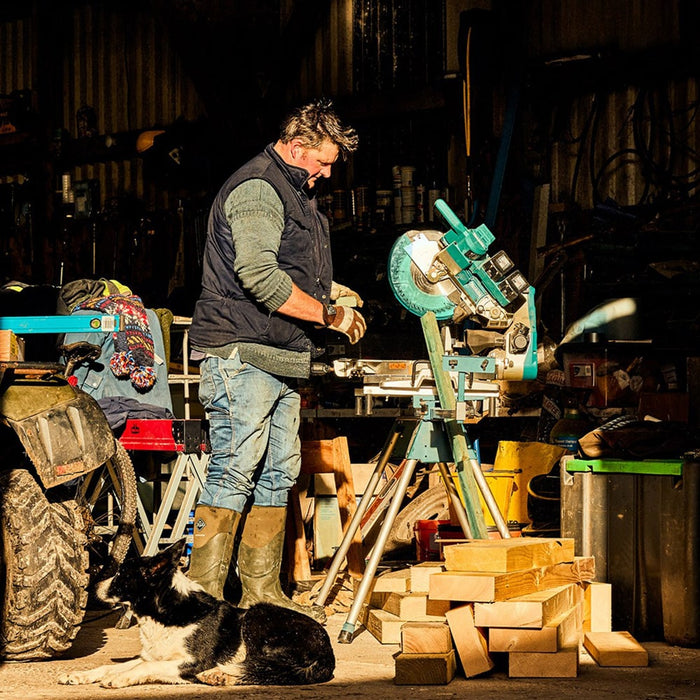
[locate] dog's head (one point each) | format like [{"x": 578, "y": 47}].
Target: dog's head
[{"x": 140, "y": 580}]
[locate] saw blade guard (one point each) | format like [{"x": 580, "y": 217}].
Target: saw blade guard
[{"x": 411, "y": 254}]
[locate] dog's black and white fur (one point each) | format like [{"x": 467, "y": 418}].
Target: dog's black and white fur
[{"x": 188, "y": 635}]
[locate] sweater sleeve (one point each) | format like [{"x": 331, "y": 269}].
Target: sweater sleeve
[{"x": 255, "y": 214}]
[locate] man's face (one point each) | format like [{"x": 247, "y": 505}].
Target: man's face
[{"x": 317, "y": 161}]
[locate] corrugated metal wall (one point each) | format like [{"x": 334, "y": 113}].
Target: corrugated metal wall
[
  {"x": 611, "y": 150},
  {"x": 16, "y": 64},
  {"x": 563, "y": 28},
  {"x": 120, "y": 64}
]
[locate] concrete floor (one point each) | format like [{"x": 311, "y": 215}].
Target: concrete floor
[{"x": 365, "y": 668}]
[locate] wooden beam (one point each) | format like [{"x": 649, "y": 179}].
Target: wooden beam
[
  {"x": 563, "y": 632},
  {"x": 421, "y": 573},
  {"x": 508, "y": 555},
  {"x": 534, "y": 610},
  {"x": 425, "y": 637},
  {"x": 597, "y": 607},
  {"x": 425, "y": 669},
  {"x": 413, "y": 606},
  {"x": 469, "y": 641},
  {"x": 484, "y": 587},
  {"x": 560, "y": 664},
  {"x": 615, "y": 649}
]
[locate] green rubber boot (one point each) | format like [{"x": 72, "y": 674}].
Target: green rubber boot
[
  {"x": 260, "y": 558},
  {"x": 212, "y": 547}
]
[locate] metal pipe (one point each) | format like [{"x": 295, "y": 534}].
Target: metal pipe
[
  {"x": 457, "y": 504},
  {"x": 367, "y": 496},
  {"x": 491, "y": 504},
  {"x": 345, "y": 636}
]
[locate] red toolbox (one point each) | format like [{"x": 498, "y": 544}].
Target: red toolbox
[{"x": 166, "y": 435}]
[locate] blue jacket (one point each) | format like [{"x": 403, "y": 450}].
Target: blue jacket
[{"x": 225, "y": 312}]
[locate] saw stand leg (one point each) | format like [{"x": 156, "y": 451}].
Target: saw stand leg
[{"x": 417, "y": 439}]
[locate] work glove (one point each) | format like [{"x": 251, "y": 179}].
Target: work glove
[
  {"x": 344, "y": 296},
  {"x": 346, "y": 320}
]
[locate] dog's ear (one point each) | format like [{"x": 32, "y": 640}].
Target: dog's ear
[
  {"x": 168, "y": 558},
  {"x": 176, "y": 550}
]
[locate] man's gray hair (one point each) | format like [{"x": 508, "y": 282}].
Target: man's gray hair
[{"x": 317, "y": 122}]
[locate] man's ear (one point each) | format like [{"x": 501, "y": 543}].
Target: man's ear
[{"x": 296, "y": 148}]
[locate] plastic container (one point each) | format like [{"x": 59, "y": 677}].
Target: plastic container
[{"x": 643, "y": 532}]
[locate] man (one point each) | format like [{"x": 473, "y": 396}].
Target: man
[{"x": 266, "y": 291}]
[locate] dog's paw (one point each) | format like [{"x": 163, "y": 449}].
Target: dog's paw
[
  {"x": 217, "y": 676},
  {"x": 74, "y": 679}
]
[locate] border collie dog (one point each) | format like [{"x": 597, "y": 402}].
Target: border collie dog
[{"x": 188, "y": 635}]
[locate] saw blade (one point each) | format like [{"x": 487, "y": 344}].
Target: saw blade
[{"x": 409, "y": 259}]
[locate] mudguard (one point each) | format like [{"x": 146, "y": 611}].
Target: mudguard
[{"x": 63, "y": 430}]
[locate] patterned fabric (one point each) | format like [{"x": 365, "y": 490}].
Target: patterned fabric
[{"x": 133, "y": 343}]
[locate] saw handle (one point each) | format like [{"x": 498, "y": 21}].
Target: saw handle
[{"x": 478, "y": 240}]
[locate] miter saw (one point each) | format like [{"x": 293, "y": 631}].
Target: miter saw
[
  {"x": 445, "y": 277},
  {"x": 452, "y": 275}
]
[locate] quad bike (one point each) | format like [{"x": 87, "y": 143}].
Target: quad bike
[{"x": 67, "y": 507}]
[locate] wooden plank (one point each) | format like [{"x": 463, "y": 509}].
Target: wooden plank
[
  {"x": 565, "y": 631},
  {"x": 333, "y": 457},
  {"x": 425, "y": 669},
  {"x": 597, "y": 607},
  {"x": 469, "y": 641},
  {"x": 615, "y": 649},
  {"x": 508, "y": 555},
  {"x": 300, "y": 568},
  {"x": 580, "y": 570},
  {"x": 481, "y": 587},
  {"x": 391, "y": 582},
  {"x": 383, "y": 626},
  {"x": 386, "y": 628},
  {"x": 413, "y": 606},
  {"x": 421, "y": 573},
  {"x": 560, "y": 664},
  {"x": 533, "y": 610},
  {"x": 425, "y": 637},
  {"x": 489, "y": 587}
]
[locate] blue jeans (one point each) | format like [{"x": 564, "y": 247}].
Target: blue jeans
[{"x": 254, "y": 432}]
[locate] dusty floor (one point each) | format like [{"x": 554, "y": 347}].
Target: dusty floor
[{"x": 365, "y": 668}]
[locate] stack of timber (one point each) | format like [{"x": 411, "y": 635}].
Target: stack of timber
[
  {"x": 523, "y": 597},
  {"x": 527, "y": 600}
]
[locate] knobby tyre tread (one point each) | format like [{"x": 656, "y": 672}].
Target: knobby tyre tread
[{"x": 44, "y": 570}]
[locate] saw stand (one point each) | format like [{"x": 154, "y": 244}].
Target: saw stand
[{"x": 437, "y": 438}]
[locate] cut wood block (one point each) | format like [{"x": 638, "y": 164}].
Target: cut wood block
[
  {"x": 512, "y": 554},
  {"x": 597, "y": 607},
  {"x": 413, "y": 606},
  {"x": 426, "y": 638},
  {"x": 481, "y": 587},
  {"x": 469, "y": 641},
  {"x": 489, "y": 587},
  {"x": 383, "y": 626},
  {"x": 615, "y": 649},
  {"x": 580, "y": 570},
  {"x": 386, "y": 627},
  {"x": 564, "y": 632},
  {"x": 533, "y": 610},
  {"x": 425, "y": 669},
  {"x": 420, "y": 575},
  {"x": 392, "y": 581},
  {"x": 535, "y": 664}
]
